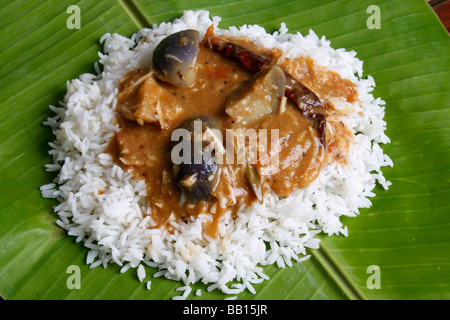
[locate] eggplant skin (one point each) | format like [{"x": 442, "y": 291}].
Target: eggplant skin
[
  {"x": 196, "y": 179},
  {"x": 175, "y": 56}
]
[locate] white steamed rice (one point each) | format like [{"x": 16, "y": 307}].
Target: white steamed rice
[{"x": 102, "y": 206}]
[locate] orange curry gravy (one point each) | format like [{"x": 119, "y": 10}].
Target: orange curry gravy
[{"x": 143, "y": 148}]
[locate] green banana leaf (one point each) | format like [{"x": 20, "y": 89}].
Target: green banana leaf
[{"x": 406, "y": 232}]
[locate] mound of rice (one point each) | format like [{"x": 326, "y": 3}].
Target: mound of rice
[{"x": 102, "y": 206}]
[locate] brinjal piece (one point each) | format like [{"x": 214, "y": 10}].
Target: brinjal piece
[
  {"x": 258, "y": 97},
  {"x": 175, "y": 56},
  {"x": 195, "y": 171}
]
